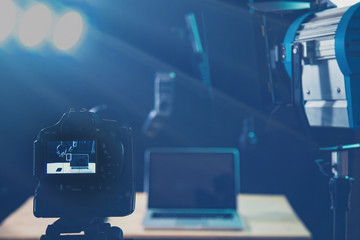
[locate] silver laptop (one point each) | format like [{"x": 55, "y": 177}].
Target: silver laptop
[{"x": 192, "y": 188}]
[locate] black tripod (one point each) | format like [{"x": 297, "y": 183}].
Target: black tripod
[
  {"x": 340, "y": 188},
  {"x": 93, "y": 228}
]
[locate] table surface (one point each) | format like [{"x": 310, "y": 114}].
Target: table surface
[{"x": 264, "y": 217}]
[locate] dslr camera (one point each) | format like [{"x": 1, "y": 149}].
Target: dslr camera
[{"x": 84, "y": 166}]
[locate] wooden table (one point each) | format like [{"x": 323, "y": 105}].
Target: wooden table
[{"x": 264, "y": 217}]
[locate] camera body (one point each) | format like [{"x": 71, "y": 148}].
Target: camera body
[{"x": 84, "y": 166}]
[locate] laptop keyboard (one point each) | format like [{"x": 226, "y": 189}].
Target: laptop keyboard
[{"x": 192, "y": 215}]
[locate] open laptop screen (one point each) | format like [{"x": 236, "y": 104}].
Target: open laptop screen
[{"x": 193, "y": 178}]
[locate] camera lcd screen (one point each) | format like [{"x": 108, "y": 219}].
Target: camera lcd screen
[{"x": 71, "y": 157}]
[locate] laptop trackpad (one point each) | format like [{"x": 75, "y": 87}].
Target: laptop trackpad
[{"x": 189, "y": 223}]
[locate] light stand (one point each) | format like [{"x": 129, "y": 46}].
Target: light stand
[{"x": 340, "y": 188}]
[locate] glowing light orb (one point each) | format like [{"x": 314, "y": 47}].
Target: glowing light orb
[
  {"x": 7, "y": 18},
  {"x": 35, "y": 25},
  {"x": 68, "y": 30}
]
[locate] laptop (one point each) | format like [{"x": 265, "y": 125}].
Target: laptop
[{"x": 192, "y": 188}]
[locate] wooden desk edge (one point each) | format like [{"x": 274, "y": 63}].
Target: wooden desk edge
[{"x": 137, "y": 231}]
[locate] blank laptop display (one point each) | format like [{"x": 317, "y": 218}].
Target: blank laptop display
[{"x": 192, "y": 188}]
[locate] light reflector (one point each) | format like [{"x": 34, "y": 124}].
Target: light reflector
[
  {"x": 342, "y": 3},
  {"x": 68, "y": 30},
  {"x": 35, "y": 25},
  {"x": 7, "y": 18}
]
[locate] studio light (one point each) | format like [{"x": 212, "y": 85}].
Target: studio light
[
  {"x": 39, "y": 22},
  {"x": 68, "y": 30},
  {"x": 7, "y": 18},
  {"x": 35, "y": 25},
  {"x": 342, "y": 3}
]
